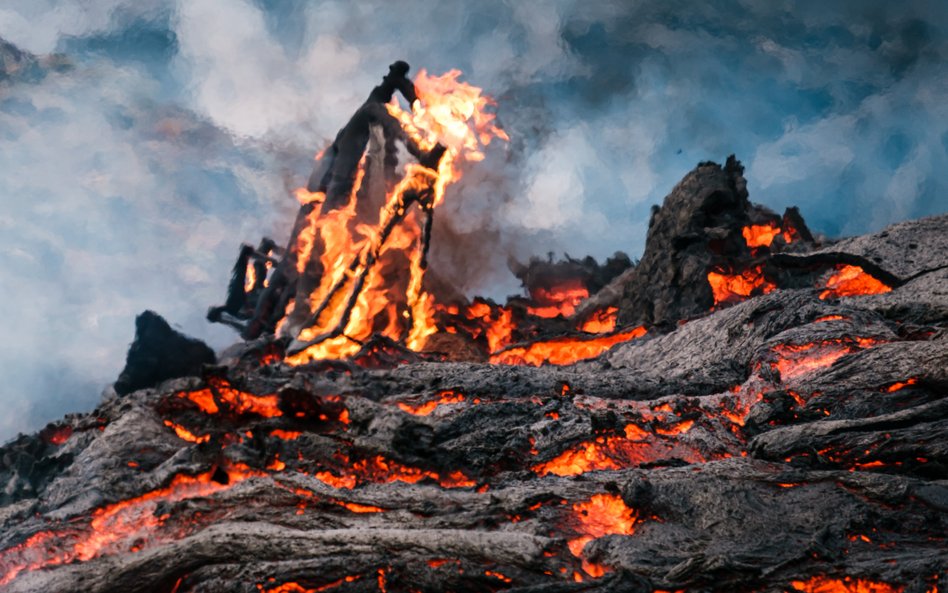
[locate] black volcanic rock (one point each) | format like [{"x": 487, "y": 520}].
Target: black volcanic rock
[
  {"x": 160, "y": 353},
  {"x": 698, "y": 228}
]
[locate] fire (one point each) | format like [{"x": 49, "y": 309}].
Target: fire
[
  {"x": 852, "y": 281},
  {"x": 845, "y": 585},
  {"x": 601, "y": 322},
  {"x": 357, "y": 296},
  {"x": 563, "y": 351},
  {"x": 441, "y": 399},
  {"x": 732, "y": 288},
  {"x": 602, "y": 514}
]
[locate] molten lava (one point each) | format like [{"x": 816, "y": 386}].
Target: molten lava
[
  {"x": 441, "y": 399},
  {"x": 114, "y": 528},
  {"x": 844, "y": 585},
  {"x": 602, "y": 514},
  {"x": 601, "y": 322},
  {"x": 852, "y": 281},
  {"x": 616, "y": 452},
  {"x": 562, "y": 351},
  {"x": 760, "y": 235},
  {"x": 732, "y": 288},
  {"x": 381, "y": 470},
  {"x": 795, "y": 360}
]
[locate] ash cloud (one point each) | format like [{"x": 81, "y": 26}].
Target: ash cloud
[{"x": 130, "y": 177}]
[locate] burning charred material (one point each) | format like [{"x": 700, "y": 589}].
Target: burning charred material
[{"x": 160, "y": 353}]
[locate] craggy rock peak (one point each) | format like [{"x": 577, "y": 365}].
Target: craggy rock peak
[
  {"x": 698, "y": 228},
  {"x": 793, "y": 441}
]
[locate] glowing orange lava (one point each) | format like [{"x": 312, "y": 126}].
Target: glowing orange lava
[
  {"x": 616, "y": 452},
  {"x": 185, "y": 434},
  {"x": 760, "y": 235},
  {"x": 441, "y": 399},
  {"x": 115, "y": 528},
  {"x": 563, "y": 351},
  {"x": 381, "y": 470},
  {"x": 602, "y": 514},
  {"x": 844, "y": 585},
  {"x": 601, "y": 322},
  {"x": 731, "y": 288},
  {"x": 795, "y": 360},
  {"x": 852, "y": 281}
]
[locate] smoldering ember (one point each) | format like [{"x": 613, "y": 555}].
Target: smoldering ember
[{"x": 747, "y": 407}]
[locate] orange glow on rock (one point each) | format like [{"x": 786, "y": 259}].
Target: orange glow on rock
[
  {"x": 732, "y": 288},
  {"x": 852, "y": 281},
  {"x": 381, "y": 470},
  {"x": 114, "y": 528},
  {"x": 760, "y": 235},
  {"x": 845, "y": 585},
  {"x": 601, "y": 322},
  {"x": 441, "y": 399},
  {"x": 616, "y": 452},
  {"x": 901, "y": 385},
  {"x": 795, "y": 360},
  {"x": 563, "y": 351},
  {"x": 602, "y": 514},
  {"x": 185, "y": 434}
]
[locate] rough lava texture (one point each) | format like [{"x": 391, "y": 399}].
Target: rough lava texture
[
  {"x": 786, "y": 443},
  {"x": 698, "y": 228}
]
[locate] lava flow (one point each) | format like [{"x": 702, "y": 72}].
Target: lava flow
[
  {"x": 115, "y": 528},
  {"x": 852, "y": 281},
  {"x": 730, "y": 287},
  {"x": 562, "y": 351}
]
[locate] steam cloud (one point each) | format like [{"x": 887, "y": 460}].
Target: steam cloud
[{"x": 129, "y": 179}]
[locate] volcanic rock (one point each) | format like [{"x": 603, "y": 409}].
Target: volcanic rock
[
  {"x": 698, "y": 228},
  {"x": 790, "y": 442},
  {"x": 159, "y": 353}
]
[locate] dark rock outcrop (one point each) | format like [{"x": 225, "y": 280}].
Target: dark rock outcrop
[
  {"x": 160, "y": 353},
  {"x": 698, "y": 228}
]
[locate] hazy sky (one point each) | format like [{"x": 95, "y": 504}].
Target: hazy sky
[{"x": 129, "y": 178}]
